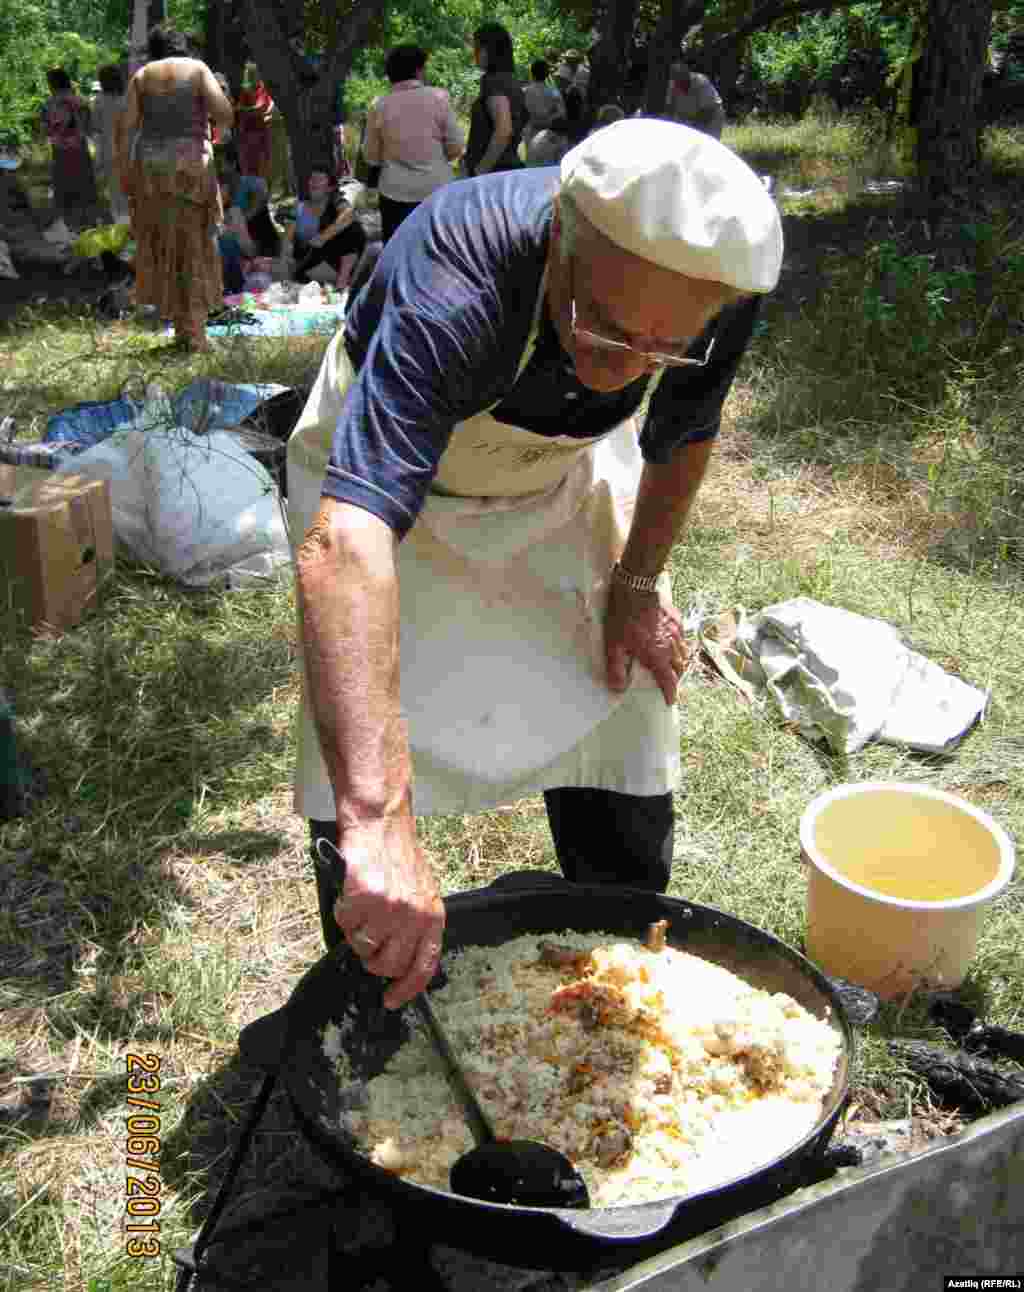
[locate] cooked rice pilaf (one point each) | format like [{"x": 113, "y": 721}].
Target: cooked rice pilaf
[{"x": 656, "y": 1072}]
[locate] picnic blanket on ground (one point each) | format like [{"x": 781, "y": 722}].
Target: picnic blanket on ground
[
  {"x": 204, "y": 404},
  {"x": 282, "y": 309},
  {"x": 284, "y": 320}
]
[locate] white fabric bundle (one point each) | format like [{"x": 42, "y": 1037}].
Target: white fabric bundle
[{"x": 850, "y": 679}]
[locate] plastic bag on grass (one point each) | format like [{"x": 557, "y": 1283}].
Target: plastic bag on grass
[{"x": 200, "y": 508}]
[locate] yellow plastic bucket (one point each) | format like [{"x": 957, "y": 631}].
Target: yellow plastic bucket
[{"x": 899, "y": 876}]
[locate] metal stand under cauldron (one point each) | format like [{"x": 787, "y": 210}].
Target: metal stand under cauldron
[{"x": 260, "y": 1044}]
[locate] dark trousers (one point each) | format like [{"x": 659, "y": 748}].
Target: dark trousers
[
  {"x": 392, "y": 214},
  {"x": 114, "y": 267},
  {"x": 600, "y": 838},
  {"x": 231, "y": 264},
  {"x": 349, "y": 242},
  {"x": 606, "y": 838},
  {"x": 264, "y": 235}
]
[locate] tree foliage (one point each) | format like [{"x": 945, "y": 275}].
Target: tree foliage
[
  {"x": 78, "y": 35},
  {"x": 847, "y": 54},
  {"x": 445, "y": 28},
  {"x": 33, "y": 38},
  {"x": 787, "y": 47}
]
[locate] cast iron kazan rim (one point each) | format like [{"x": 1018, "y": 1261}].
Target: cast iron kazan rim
[{"x": 338, "y": 990}]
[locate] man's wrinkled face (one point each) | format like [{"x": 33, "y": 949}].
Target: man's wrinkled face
[{"x": 622, "y": 297}]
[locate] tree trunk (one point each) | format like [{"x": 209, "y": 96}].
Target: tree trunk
[
  {"x": 146, "y": 14},
  {"x": 665, "y": 48},
  {"x": 609, "y": 60},
  {"x": 306, "y": 97},
  {"x": 948, "y": 95},
  {"x": 724, "y": 72},
  {"x": 226, "y": 47},
  {"x": 309, "y": 116}
]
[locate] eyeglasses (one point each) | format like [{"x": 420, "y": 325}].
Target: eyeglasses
[{"x": 676, "y": 358}]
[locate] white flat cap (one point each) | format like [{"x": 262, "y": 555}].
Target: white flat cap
[{"x": 678, "y": 198}]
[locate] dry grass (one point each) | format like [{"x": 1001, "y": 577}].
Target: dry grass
[{"x": 157, "y": 896}]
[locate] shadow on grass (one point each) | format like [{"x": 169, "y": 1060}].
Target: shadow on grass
[
  {"x": 166, "y": 700},
  {"x": 283, "y": 1201},
  {"x": 239, "y": 845},
  {"x": 277, "y": 1198},
  {"x": 45, "y": 293}
]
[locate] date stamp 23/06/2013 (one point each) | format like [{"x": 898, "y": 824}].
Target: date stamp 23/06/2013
[{"x": 142, "y": 1155}]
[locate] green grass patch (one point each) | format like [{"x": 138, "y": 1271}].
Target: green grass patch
[{"x": 158, "y": 896}]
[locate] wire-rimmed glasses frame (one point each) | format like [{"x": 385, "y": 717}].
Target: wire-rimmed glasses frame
[{"x": 598, "y": 342}]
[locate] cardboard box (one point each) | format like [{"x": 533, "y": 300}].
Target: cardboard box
[{"x": 56, "y": 544}]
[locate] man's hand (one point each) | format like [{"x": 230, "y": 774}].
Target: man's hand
[
  {"x": 391, "y": 911},
  {"x": 639, "y": 628}
]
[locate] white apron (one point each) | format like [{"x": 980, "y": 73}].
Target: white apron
[{"x": 503, "y": 582}]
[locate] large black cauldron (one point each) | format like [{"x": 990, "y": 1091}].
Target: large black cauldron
[{"x": 337, "y": 989}]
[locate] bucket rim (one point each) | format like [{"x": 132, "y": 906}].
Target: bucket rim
[{"x": 850, "y": 789}]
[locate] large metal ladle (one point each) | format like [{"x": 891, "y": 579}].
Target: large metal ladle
[
  {"x": 523, "y": 1172},
  {"x": 520, "y": 1171}
]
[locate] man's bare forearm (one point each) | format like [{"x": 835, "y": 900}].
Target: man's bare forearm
[
  {"x": 663, "y": 503},
  {"x": 348, "y": 600}
]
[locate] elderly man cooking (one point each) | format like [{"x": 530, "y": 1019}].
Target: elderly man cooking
[{"x": 471, "y": 497}]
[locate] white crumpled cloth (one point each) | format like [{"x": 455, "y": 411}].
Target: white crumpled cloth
[
  {"x": 199, "y": 507},
  {"x": 848, "y": 679}
]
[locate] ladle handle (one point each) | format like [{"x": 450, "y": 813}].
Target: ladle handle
[
  {"x": 479, "y": 1126},
  {"x": 478, "y": 1123}
]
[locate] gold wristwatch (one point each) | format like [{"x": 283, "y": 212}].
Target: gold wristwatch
[{"x": 637, "y": 582}]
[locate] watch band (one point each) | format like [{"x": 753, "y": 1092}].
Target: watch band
[{"x": 638, "y": 582}]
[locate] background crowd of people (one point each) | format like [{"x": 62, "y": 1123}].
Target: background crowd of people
[{"x": 193, "y": 168}]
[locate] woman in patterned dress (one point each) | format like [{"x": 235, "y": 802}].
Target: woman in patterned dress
[{"x": 172, "y": 185}]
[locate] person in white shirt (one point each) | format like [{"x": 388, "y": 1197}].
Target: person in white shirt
[
  {"x": 412, "y": 134},
  {"x": 692, "y": 100},
  {"x": 544, "y": 101}
]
